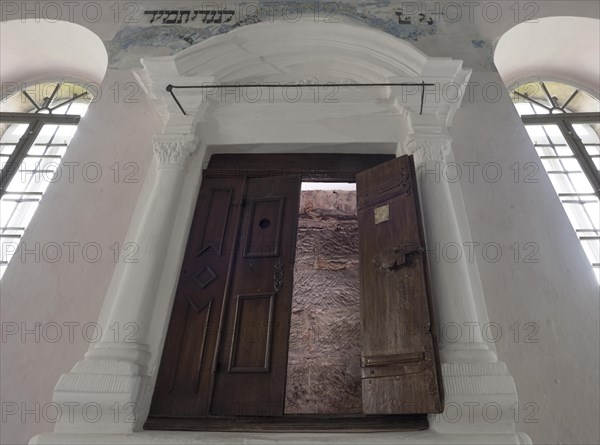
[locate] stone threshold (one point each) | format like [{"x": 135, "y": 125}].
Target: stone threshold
[{"x": 214, "y": 438}]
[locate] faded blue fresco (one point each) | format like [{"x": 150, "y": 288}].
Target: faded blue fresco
[
  {"x": 157, "y": 39},
  {"x": 487, "y": 51}
]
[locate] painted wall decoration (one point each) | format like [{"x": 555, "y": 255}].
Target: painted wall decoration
[
  {"x": 168, "y": 28},
  {"x": 165, "y": 31}
]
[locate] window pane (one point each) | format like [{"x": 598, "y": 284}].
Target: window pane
[
  {"x": 563, "y": 150},
  {"x": 581, "y": 183},
  {"x": 48, "y": 149},
  {"x": 537, "y": 135},
  {"x": 556, "y": 150},
  {"x": 7, "y": 149},
  {"x": 46, "y": 134},
  {"x": 78, "y": 108},
  {"x": 65, "y": 133},
  {"x": 6, "y": 210},
  {"x": 554, "y": 134},
  {"x": 524, "y": 108},
  {"x": 592, "y": 149},
  {"x": 562, "y": 184},
  {"x": 593, "y": 209},
  {"x": 539, "y": 110},
  {"x": 14, "y": 133},
  {"x": 553, "y": 164},
  {"x": 27, "y": 182},
  {"x": 571, "y": 165},
  {"x": 8, "y": 246},
  {"x": 578, "y": 216},
  {"x": 586, "y": 133},
  {"x": 23, "y": 213},
  {"x": 592, "y": 249},
  {"x": 57, "y": 149}
]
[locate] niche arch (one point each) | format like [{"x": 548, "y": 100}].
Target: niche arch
[
  {"x": 35, "y": 50},
  {"x": 564, "y": 49}
]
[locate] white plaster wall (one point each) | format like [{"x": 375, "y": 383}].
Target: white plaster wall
[
  {"x": 558, "y": 373},
  {"x": 62, "y": 292}
]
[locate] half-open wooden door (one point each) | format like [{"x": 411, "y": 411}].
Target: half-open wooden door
[{"x": 400, "y": 369}]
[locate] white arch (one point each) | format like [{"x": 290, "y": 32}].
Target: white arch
[
  {"x": 35, "y": 50},
  {"x": 559, "y": 48},
  {"x": 256, "y": 50}
]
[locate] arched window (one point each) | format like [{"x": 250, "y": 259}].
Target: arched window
[
  {"x": 563, "y": 123},
  {"x": 36, "y": 126}
]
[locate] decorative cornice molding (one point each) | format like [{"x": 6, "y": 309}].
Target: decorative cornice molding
[{"x": 174, "y": 150}]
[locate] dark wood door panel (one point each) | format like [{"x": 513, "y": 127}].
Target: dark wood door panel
[
  {"x": 252, "y": 333},
  {"x": 253, "y": 359},
  {"x": 186, "y": 371}
]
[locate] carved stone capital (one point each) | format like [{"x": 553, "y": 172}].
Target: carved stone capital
[
  {"x": 434, "y": 148},
  {"x": 174, "y": 150}
]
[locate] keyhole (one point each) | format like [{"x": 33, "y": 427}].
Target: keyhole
[{"x": 264, "y": 223}]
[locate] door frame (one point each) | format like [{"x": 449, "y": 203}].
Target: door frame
[{"x": 312, "y": 167}]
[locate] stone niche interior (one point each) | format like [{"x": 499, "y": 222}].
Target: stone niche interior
[{"x": 325, "y": 338}]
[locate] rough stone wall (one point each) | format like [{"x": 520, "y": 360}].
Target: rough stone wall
[{"x": 324, "y": 357}]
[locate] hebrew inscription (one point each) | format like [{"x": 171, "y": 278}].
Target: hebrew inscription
[{"x": 182, "y": 16}]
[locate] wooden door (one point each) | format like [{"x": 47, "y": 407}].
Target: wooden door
[
  {"x": 186, "y": 371},
  {"x": 400, "y": 369},
  {"x": 252, "y": 366}
]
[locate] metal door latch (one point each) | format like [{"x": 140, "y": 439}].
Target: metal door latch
[{"x": 396, "y": 257}]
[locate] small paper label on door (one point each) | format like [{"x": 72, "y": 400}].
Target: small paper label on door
[{"x": 382, "y": 214}]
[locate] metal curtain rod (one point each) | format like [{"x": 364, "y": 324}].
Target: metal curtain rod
[{"x": 170, "y": 88}]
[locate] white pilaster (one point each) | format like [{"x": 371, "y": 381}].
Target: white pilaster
[
  {"x": 116, "y": 366},
  {"x": 450, "y": 279},
  {"x": 480, "y": 393}
]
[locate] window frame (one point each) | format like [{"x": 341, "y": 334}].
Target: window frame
[
  {"x": 40, "y": 116},
  {"x": 565, "y": 120},
  {"x": 565, "y": 123}
]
